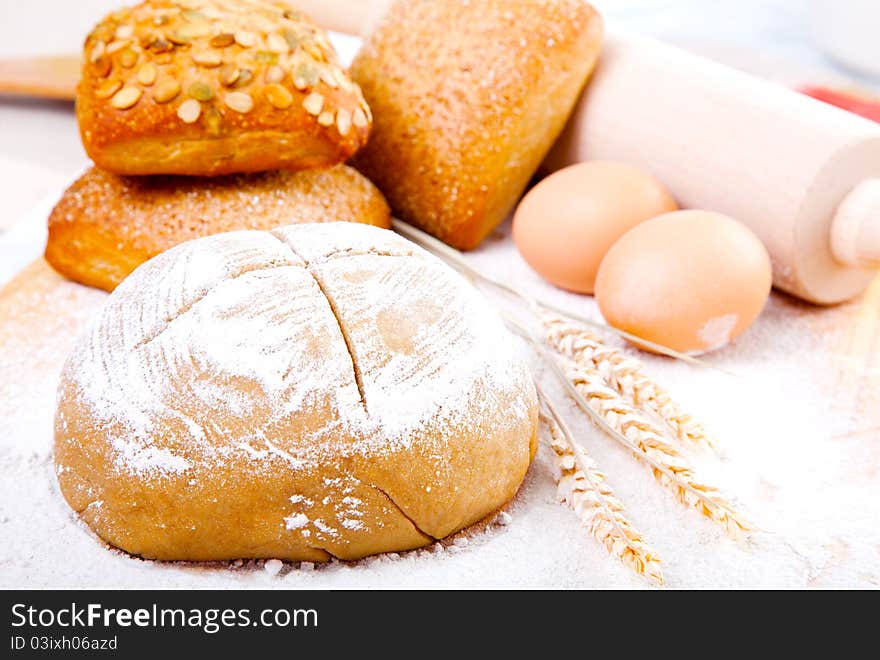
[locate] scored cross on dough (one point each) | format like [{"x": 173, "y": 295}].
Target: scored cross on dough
[{"x": 336, "y": 364}]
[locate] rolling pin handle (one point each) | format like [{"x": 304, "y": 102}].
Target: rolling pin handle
[{"x": 855, "y": 229}]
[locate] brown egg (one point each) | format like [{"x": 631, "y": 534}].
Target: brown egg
[
  {"x": 690, "y": 280},
  {"x": 565, "y": 224}
]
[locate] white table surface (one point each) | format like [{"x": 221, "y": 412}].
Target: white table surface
[{"x": 826, "y": 534}]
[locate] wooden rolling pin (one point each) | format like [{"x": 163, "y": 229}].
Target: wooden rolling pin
[{"x": 803, "y": 175}]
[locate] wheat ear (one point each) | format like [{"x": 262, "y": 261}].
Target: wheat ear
[
  {"x": 646, "y": 441},
  {"x": 623, "y": 423},
  {"x": 625, "y": 374},
  {"x": 582, "y": 486}
]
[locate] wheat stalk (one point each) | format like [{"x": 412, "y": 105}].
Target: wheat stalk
[
  {"x": 623, "y": 423},
  {"x": 647, "y": 442},
  {"x": 625, "y": 374},
  {"x": 582, "y": 486}
]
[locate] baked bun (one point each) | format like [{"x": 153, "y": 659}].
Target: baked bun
[
  {"x": 210, "y": 87},
  {"x": 104, "y": 226},
  {"x": 468, "y": 96},
  {"x": 324, "y": 390}
]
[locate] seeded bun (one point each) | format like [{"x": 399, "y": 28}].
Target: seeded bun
[
  {"x": 322, "y": 390},
  {"x": 106, "y": 225},
  {"x": 211, "y": 87},
  {"x": 468, "y": 96}
]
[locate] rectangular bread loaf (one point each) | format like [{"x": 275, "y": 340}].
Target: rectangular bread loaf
[{"x": 467, "y": 98}]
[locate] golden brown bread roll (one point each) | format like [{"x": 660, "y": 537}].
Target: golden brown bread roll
[
  {"x": 105, "y": 225},
  {"x": 210, "y": 87},
  {"x": 467, "y": 98},
  {"x": 318, "y": 390}
]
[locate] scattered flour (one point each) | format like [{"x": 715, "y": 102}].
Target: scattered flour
[
  {"x": 800, "y": 445},
  {"x": 174, "y": 347}
]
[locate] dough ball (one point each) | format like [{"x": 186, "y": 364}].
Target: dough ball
[{"x": 314, "y": 391}]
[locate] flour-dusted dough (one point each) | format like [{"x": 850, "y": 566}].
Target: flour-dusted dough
[
  {"x": 315, "y": 391},
  {"x": 104, "y": 226},
  {"x": 467, "y": 97}
]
